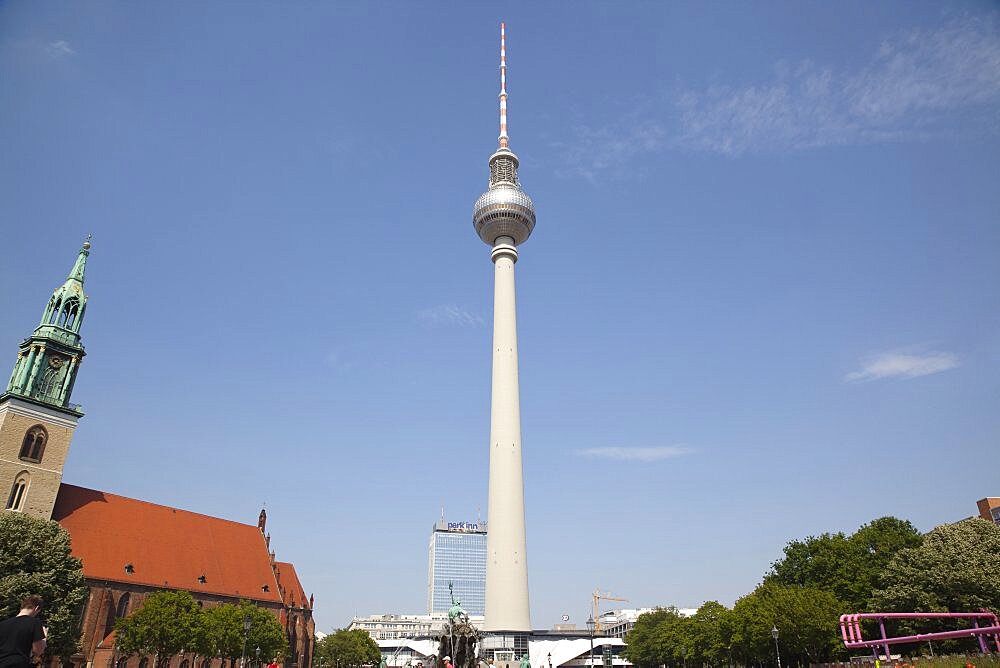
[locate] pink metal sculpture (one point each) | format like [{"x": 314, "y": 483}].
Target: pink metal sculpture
[{"x": 850, "y": 629}]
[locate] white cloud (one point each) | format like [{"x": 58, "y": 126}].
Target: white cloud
[
  {"x": 916, "y": 84},
  {"x": 450, "y": 314},
  {"x": 897, "y": 364},
  {"x": 59, "y": 49},
  {"x": 903, "y": 93},
  {"x": 596, "y": 151},
  {"x": 637, "y": 454}
]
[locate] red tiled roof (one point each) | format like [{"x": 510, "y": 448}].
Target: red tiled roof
[
  {"x": 167, "y": 547},
  {"x": 295, "y": 595}
]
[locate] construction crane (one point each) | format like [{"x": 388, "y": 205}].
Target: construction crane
[{"x": 599, "y": 596}]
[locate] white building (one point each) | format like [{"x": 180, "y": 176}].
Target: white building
[
  {"x": 395, "y": 627},
  {"x": 557, "y": 652}
]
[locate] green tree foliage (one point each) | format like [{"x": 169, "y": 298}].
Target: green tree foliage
[
  {"x": 711, "y": 634},
  {"x": 806, "y": 619},
  {"x": 641, "y": 647},
  {"x": 35, "y": 559},
  {"x": 167, "y": 622},
  {"x": 955, "y": 569},
  {"x": 224, "y": 631},
  {"x": 849, "y": 567},
  {"x": 664, "y": 637},
  {"x": 347, "y": 648}
]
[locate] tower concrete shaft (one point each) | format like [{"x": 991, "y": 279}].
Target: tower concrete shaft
[
  {"x": 506, "y": 548},
  {"x": 504, "y": 217}
]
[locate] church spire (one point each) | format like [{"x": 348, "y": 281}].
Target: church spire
[
  {"x": 48, "y": 360},
  {"x": 80, "y": 266},
  {"x": 65, "y": 309}
]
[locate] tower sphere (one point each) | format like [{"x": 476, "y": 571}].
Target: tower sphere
[{"x": 504, "y": 210}]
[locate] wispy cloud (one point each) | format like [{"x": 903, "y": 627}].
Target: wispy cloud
[
  {"x": 334, "y": 359},
  {"x": 594, "y": 152},
  {"x": 916, "y": 84},
  {"x": 901, "y": 364},
  {"x": 450, "y": 314},
  {"x": 636, "y": 454},
  {"x": 59, "y": 49},
  {"x": 904, "y": 92}
]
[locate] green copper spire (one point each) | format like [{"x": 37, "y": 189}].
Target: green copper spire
[
  {"x": 80, "y": 266},
  {"x": 65, "y": 309},
  {"x": 48, "y": 360}
]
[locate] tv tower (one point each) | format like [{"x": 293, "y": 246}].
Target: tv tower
[{"x": 504, "y": 217}]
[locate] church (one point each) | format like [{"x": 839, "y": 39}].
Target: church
[{"x": 130, "y": 548}]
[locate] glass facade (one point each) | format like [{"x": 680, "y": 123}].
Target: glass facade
[{"x": 457, "y": 555}]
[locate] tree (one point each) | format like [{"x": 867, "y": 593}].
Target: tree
[
  {"x": 35, "y": 559},
  {"x": 805, "y": 617},
  {"x": 167, "y": 622},
  {"x": 347, "y": 648},
  {"x": 711, "y": 632},
  {"x": 849, "y": 567},
  {"x": 227, "y": 637},
  {"x": 659, "y": 637},
  {"x": 955, "y": 569}
]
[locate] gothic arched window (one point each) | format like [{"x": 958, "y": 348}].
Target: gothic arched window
[
  {"x": 16, "y": 499},
  {"x": 71, "y": 309},
  {"x": 33, "y": 444},
  {"x": 109, "y": 614},
  {"x": 67, "y": 311},
  {"x": 122, "y": 608}
]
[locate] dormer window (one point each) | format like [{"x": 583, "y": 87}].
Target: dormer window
[
  {"x": 129, "y": 569},
  {"x": 33, "y": 445},
  {"x": 202, "y": 579},
  {"x": 265, "y": 588}
]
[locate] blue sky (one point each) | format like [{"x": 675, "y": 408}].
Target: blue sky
[{"x": 760, "y": 301}]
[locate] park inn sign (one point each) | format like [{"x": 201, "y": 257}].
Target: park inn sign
[{"x": 466, "y": 526}]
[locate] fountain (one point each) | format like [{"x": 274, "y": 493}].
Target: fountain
[{"x": 459, "y": 639}]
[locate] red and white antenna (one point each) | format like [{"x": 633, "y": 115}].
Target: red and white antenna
[{"x": 503, "y": 89}]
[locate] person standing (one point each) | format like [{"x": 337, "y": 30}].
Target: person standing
[{"x": 23, "y": 636}]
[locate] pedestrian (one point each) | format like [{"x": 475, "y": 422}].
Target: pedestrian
[
  {"x": 274, "y": 663},
  {"x": 23, "y": 636}
]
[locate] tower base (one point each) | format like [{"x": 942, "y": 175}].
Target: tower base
[{"x": 505, "y": 647}]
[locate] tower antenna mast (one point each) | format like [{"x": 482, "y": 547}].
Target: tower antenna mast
[{"x": 504, "y": 140}]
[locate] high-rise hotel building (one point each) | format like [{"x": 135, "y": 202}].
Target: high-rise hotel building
[{"x": 457, "y": 556}]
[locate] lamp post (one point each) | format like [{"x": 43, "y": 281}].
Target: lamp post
[
  {"x": 590, "y": 625},
  {"x": 777, "y": 652},
  {"x": 246, "y": 632},
  {"x": 257, "y": 652},
  {"x": 684, "y": 656},
  {"x": 550, "y": 659}
]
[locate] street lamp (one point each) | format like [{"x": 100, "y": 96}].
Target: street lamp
[
  {"x": 684, "y": 656},
  {"x": 590, "y": 625},
  {"x": 777, "y": 652},
  {"x": 550, "y": 659},
  {"x": 246, "y": 632},
  {"x": 257, "y": 652}
]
